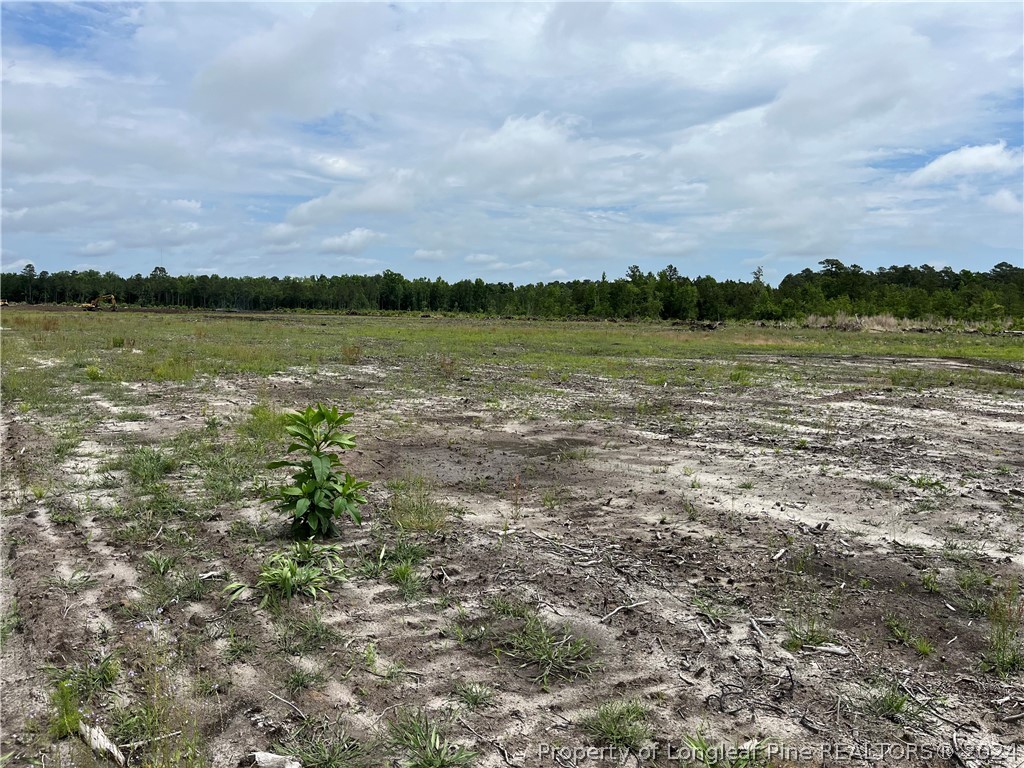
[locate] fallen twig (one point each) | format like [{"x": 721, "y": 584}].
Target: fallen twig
[
  {"x": 560, "y": 544},
  {"x": 623, "y": 608},
  {"x": 290, "y": 704},
  {"x": 143, "y": 742},
  {"x": 497, "y": 745}
]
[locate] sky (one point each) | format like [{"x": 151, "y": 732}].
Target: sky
[{"x": 512, "y": 142}]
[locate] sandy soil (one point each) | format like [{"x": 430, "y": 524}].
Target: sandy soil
[{"x": 684, "y": 533}]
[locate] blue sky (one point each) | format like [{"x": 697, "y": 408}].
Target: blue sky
[{"x": 517, "y": 143}]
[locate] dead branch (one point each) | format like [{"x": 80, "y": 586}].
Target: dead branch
[{"x": 623, "y": 608}]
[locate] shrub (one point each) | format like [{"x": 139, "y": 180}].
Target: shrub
[{"x": 320, "y": 490}]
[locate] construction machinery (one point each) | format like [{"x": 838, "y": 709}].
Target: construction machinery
[{"x": 107, "y": 298}]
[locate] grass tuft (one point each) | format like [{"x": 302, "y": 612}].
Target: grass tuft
[
  {"x": 424, "y": 742},
  {"x": 620, "y": 724}
]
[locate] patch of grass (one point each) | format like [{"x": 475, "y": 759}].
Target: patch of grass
[
  {"x": 300, "y": 679},
  {"x": 551, "y": 651},
  {"x": 424, "y": 741},
  {"x": 66, "y": 516},
  {"x": 310, "y": 633},
  {"x": 10, "y": 622},
  {"x": 805, "y": 628},
  {"x": 901, "y": 631},
  {"x": 473, "y": 695},
  {"x": 159, "y": 564},
  {"x": 753, "y": 754},
  {"x": 283, "y": 577},
  {"x": 711, "y": 609},
  {"x": 403, "y": 550},
  {"x": 893, "y": 704},
  {"x": 620, "y": 724},
  {"x": 552, "y": 498},
  {"x": 148, "y": 466},
  {"x": 413, "y": 506},
  {"x": 238, "y": 647},
  {"x": 1005, "y": 653},
  {"x": 263, "y": 426},
  {"x": 88, "y": 680},
  {"x": 567, "y": 455},
  {"x": 511, "y": 607},
  {"x": 66, "y": 716},
  {"x": 321, "y": 743},
  {"x": 403, "y": 575},
  {"x": 78, "y": 581}
]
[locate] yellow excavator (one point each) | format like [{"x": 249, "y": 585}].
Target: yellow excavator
[{"x": 107, "y": 298}]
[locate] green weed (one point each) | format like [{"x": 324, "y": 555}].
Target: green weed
[
  {"x": 619, "y": 724},
  {"x": 425, "y": 742}
]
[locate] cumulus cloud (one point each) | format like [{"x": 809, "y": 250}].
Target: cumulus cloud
[
  {"x": 969, "y": 161},
  {"x": 426, "y": 254},
  {"x": 99, "y": 248},
  {"x": 1005, "y": 201},
  {"x": 191, "y": 206},
  {"x": 352, "y": 242},
  {"x": 251, "y": 137}
]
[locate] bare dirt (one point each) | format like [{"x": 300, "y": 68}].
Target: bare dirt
[{"x": 688, "y": 534}]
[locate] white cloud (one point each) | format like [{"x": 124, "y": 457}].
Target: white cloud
[
  {"x": 969, "y": 161},
  {"x": 282, "y": 233},
  {"x": 481, "y": 258},
  {"x": 99, "y": 248},
  {"x": 605, "y": 135},
  {"x": 190, "y": 206},
  {"x": 1005, "y": 201},
  {"x": 424, "y": 254},
  {"x": 355, "y": 241}
]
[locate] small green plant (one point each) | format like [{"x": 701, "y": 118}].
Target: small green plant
[
  {"x": 370, "y": 656},
  {"x": 473, "y": 695},
  {"x": 403, "y": 575},
  {"x": 238, "y": 647},
  {"x": 511, "y": 607},
  {"x": 319, "y": 492},
  {"x": 413, "y": 505},
  {"x": 930, "y": 581},
  {"x": 321, "y": 743},
  {"x": 310, "y": 633},
  {"x": 553, "y": 652},
  {"x": 300, "y": 679},
  {"x": 620, "y": 724},
  {"x": 753, "y": 754},
  {"x": 424, "y": 742},
  {"x": 78, "y": 581},
  {"x": 147, "y": 466},
  {"x": 804, "y": 629},
  {"x": 10, "y": 622},
  {"x": 1005, "y": 654},
  {"x": 923, "y": 646},
  {"x": 66, "y": 716},
  {"x": 159, "y": 564},
  {"x": 893, "y": 704},
  {"x": 282, "y": 578},
  {"x": 89, "y": 680}
]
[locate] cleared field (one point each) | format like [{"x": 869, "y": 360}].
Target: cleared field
[{"x": 578, "y": 538}]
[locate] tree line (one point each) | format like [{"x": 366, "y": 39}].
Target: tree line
[{"x": 906, "y": 292}]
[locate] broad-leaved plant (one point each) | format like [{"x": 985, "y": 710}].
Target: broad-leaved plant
[{"x": 321, "y": 490}]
